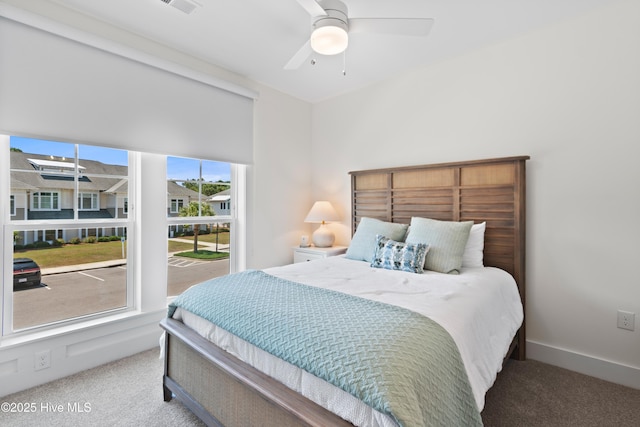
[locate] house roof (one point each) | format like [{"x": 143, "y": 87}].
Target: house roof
[
  {"x": 177, "y": 190},
  {"x": 222, "y": 196},
  {"x": 95, "y": 176}
]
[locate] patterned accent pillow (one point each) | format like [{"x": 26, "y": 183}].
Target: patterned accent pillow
[{"x": 393, "y": 255}]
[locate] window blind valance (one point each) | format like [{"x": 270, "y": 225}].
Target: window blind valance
[{"x": 58, "y": 87}]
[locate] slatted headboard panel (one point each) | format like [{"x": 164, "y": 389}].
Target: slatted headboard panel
[{"x": 491, "y": 190}]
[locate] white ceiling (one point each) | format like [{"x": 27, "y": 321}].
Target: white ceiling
[{"x": 256, "y": 38}]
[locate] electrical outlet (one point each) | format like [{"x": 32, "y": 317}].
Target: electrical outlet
[
  {"x": 43, "y": 360},
  {"x": 626, "y": 320}
]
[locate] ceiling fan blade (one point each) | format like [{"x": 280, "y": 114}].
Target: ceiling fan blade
[
  {"x": 312, "y": 7},
  {"x": 300, "y": 56},
  {"x": 418, "y": 27}
]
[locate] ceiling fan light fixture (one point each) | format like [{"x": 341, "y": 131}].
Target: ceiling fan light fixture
[{"x": 330, "y": 36}]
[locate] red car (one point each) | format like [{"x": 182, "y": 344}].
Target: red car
[{"x": 25, "y": 273}]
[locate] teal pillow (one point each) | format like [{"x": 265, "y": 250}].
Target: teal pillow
[
  {"x": 364, "y": 239},
  {"x": 393, "y": 255},
  {"x": 446, "y": 240}
]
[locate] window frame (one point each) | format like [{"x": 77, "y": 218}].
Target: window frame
[
  {"x": 179, "y": 204},
  {"x": 54, "y": 195},
  {"x": 95, "y": 197},
  {"x": 9, "y": 226},
  {"x": 142, "y": 298},
  {"x": 235, "y": 219}
]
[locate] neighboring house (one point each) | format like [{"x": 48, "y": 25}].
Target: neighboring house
[
  {"x": 221, "y": 202},
  {"x": 178, "y": 196},
  {"x": 42, "y": 187}
]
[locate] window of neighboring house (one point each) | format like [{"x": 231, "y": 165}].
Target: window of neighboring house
[
  {"x": 200, "y": 242},
  {"x": 176, "y": 205},
  {"x": 88, "y": 255},
  {"x": 88, "y": 202},
  {"x": 45, "y": 201},
  {"x": 12, "y": 205},
  {"x": 125, "y": 206}
]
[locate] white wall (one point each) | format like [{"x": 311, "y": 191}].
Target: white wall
[
  {"x": 568, "y": 96},
  {"x": 280, "y": 179}
]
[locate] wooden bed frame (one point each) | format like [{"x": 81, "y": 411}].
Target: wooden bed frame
[{"x": 224, "y": 391}]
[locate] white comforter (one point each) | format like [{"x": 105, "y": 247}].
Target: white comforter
[{"x": 480, "y": 308}]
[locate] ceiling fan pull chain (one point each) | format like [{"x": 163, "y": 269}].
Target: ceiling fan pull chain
[{"x": 344, "y": 63}]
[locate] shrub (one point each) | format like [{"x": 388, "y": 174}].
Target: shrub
[
  {"x": 75, "y": 241},
  {"x": 58, "y": 242},
  {"x": 91, "y": 239},
  {"x": 114, "y": 238},
  {"x": 41, "y": 244},
  {"x": 104, "y": 239}
]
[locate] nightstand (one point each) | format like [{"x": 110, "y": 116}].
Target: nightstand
[{"x": 311, "y": 253}]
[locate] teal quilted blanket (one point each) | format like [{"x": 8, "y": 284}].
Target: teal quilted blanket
[{"x": 397, "y": 361}]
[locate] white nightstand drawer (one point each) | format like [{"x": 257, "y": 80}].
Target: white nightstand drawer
[{"x": 311, "y": 253}]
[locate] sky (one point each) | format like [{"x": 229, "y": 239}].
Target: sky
[{"x": 177, "y": 167}]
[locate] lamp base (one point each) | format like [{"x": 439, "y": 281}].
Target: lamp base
[{"x": 323, "y": 237}]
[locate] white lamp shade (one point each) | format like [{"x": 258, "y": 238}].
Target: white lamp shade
[{"x": 322, "y": 211}]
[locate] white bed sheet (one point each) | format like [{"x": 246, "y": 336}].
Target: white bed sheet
[{"x": 480, "y": 308}]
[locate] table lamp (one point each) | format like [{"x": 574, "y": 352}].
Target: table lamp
[{"x": 322, "y": 212}]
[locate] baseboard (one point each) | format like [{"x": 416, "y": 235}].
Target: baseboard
[{"x": 604, "y": 369}]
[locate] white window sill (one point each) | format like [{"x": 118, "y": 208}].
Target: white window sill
[{"x": 41, "y": 334}]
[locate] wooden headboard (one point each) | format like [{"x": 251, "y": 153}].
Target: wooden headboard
[{"x": 491, "y": 190}]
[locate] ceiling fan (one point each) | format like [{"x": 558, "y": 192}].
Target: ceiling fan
[{"x": 331, "y": 26}]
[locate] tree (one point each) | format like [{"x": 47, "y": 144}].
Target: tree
[
  {"x": 196, "y": 209},
  {"x": 208, "y": 188}
]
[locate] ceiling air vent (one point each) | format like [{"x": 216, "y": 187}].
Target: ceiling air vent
[{"x": 186, "y": 6}]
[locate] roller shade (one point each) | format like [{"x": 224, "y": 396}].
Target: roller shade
[{"x": 56, "y": 87}]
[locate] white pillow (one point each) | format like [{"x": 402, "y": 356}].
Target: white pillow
[{"x": 473, "y": 255}]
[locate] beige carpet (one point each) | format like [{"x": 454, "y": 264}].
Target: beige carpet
[
  {"x": 531, "y": 393},
  {"x": 128, "y": 392}
]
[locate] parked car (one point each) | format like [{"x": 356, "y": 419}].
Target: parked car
[{"x": 26, "y": 272}]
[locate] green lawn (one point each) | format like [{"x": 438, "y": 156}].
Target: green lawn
[
  {"x": 223, "y": 238},
  {"x": 204, "y": 254},
  {"x": 85, "y": 253}
]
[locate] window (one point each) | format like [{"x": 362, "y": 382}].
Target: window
[
  {"x": 88, "y": 202},
  {"x": 45, "y": 201},
  {"x": 176, "y": 205},
  {"x": 72, "y": 191},
  {"x": 72, "y": 236},
  {"x": 199, "y": 236},
  {"x": 12, "y": 205}
]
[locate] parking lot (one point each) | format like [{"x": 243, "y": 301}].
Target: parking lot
[{"x": 78, "y": 293}]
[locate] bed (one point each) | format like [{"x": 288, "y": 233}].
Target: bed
[{"x": 230, "y": 388}]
